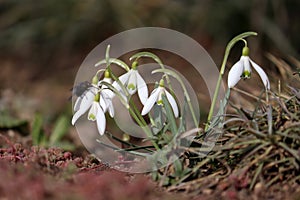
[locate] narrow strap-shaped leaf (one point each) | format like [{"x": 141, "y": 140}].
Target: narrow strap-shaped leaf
[{"x": 170, "y": 115}]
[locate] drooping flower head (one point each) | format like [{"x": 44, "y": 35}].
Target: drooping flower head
[
  {"x": 156, "y": 97},
  {"x": 242, "y": 70},
  {"x": 133, "y": 82},
  {"x": 84, "y": 102},
  {"x": 99, "y": 100}
]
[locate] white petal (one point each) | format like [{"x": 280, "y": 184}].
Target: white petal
[
  {"x": 142, "y": 89},
  {"x": 107, "y": 80},
  {"x": 77, "y": 103},
  {"x": 92, "y": 115},
  {"x": 104, "y": 88},
  {"x": 151, "y": 100},
  {"x": 173, "y": 103},
  {"x": 123, "y": 79},
  {"x": 131, "y": 84},
  {"x": 103, "y": 102},
  {"x": 101, "y": 121},
  {"x": 246, "y": 63},
  {"x": 235, "y": 74},
  {"x": 76, "y": 116},
  {"x": 85, "y": 104},
  {"x": 111, "y": 110},
  {"x": 108, "y": 104},
  {"x": 262, "y": 74},
  {"x": 109, "y": 93}
]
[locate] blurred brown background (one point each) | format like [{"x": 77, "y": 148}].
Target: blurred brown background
[{"x": 43, "y": 43}]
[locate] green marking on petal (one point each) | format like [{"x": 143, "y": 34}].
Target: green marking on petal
[
  {"x": 246, "y": 75},
  {"x": 160, "y": 102},
  {"x": 131, "y": 86},
  {"x": 92, "y": 117}
]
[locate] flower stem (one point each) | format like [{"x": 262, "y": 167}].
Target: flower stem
[
  {"x": 145, "y": 128},
  {"x": 186, "y": 94},
  {"x": 227, "y": 51}
]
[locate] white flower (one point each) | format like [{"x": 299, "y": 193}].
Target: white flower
[
  {"x": 96, "y": 113},
  {"x": 84, "y": 102},
  {"x": 242, "y": 69},
  {"x": 99, "y": 100},
  {"x": 106, "y": 102},
  {"x": 133, "y": 82},
  {"x": 156, "y": 96},
  {"x": 104, "y": 88},
  {"x": 100, "y": 104}
]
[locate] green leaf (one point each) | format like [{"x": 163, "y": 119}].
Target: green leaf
[
  {"x": 157, "y": 120},
  {"x": 178, "y": 167},
  {"x": 68, "y": 146},
  {"x": 8, "y": 122},
  {"x": 37, "y": 130},
  {"x": 218, "y": 120},
  {"x": 170, "y": 115},
  {"x": 182, "y": 119},
  {"x": 60, "y": 129}
]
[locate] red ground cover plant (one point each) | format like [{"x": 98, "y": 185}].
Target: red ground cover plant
[{"x": 30, "y": 172}]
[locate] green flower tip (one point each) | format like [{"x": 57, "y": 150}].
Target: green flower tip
[
  {"x": 134, "y": 65},
  {"x": 162, "y": 83},
  {"x": 106, "y": 74},
  {"x": 245, "y": 51}
]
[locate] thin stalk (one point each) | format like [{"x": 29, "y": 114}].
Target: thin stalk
[
  {"x": 227, "y": 51},
  {"x": 145, "y": 128},
  {"x": 136, "y": 115},
  {"x": 186, "y": 94},
  {"x": 137, "y": 112},
  {"x": 132, "y": 108},
  {"x": 156, "y": 59}
]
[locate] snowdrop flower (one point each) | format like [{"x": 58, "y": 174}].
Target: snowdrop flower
[
  {"x": 97, "y": 111},
  {"x": 106, "y": 95},
  {"x": 156, "y": 96},
  {"x": 84, "y": 102},
  {"x": 133, "y": 82},
  {"x": 99, "y": 100},
  {"x": 242, "y": 69},
  {"x": 104, "y": 88}
]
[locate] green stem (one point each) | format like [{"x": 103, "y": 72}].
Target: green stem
[
  {"x": 145, "y": 128},
  {"x": 186, "y": 94},
  {"x": 133, "y": 110},
  {"x": 156, "y": 59},
  {"x": 227, "y": 51},
  {"x": 138, "y": 113}
]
